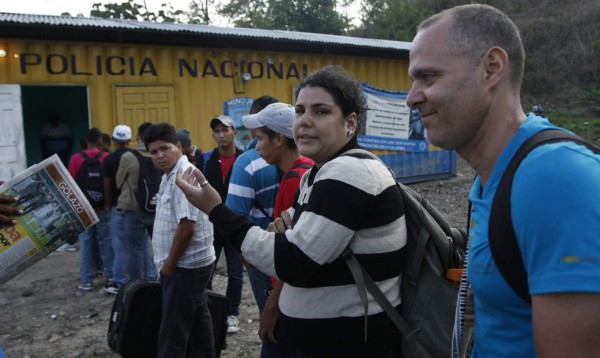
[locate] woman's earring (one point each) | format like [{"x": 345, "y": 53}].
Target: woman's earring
[{"x": 349, "y": 133}]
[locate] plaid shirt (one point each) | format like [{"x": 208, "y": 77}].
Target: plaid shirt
[{"x": 171, "y": 208}]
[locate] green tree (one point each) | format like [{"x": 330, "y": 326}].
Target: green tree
[
  {"x": 245, "y": 13},
  {"x": 199, "y": 12},
  {"x": 128, "y": 10},
  {"x": 131, "y": 10},
  {"x": 391, "y": 19},
  {"x": 318, "y": 16}
]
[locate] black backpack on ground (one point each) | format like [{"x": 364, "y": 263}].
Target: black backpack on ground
[
  {"x": 426, "y": 320},
  {"x": 148, "y": 183},
  {"x": 90, "y": 180},
  {"x": 136, "y": 315},
  {"x": 501, "y": 234}
]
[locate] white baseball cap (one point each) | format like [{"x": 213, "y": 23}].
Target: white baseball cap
[
  {"x": 121, "y": 133},
  {"x": 278, "y": 117}
]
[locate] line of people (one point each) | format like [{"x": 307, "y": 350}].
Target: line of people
[
  {"x": 466, "y": 64},
  {"x": 124, "y": 231}
]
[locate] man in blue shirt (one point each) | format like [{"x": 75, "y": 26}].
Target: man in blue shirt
[
  {"x": 467, "y": 64},
  {"x": 252, "y": 191}
]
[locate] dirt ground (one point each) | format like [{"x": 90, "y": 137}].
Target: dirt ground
[{"x": 43, "y": 314}]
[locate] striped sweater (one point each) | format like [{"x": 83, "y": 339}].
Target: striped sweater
[{"x": 348, "y": 201}]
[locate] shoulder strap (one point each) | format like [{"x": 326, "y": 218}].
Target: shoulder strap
[
  {"x": 365, "y": 282},
  {"x": 262, "y": 209},
  {"x": 84, "y": 155},
  {"x": 137, "y": 154},
  {"x": 501, "y": 233},
  {"x": 294, "y": 174}
]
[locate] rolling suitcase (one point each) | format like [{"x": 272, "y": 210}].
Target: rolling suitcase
[{"x": 136, "y": 315}]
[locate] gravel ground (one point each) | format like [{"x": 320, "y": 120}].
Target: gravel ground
[{"x": 42, "y": 314}]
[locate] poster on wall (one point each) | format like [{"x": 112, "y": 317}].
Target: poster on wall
[
  {"x": 235, "y": 108},
  {"x": 390, "y": 123},
  {"x": 12, "y": 135}
]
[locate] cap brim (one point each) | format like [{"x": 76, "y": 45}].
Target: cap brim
[
  {"x": 215, "y": 121},
  {"x": 251, "y": 121}
]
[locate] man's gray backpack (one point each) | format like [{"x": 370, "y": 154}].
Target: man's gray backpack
[{"x": 429, "y": 300}]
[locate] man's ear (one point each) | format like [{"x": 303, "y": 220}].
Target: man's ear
[
  {"x": 496, "y": 65},
  {"x": 279, "y": 139}
]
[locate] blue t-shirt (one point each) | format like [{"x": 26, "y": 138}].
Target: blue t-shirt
[
  {"x": 252, "y": 177},
  {"x": 556, "y": 215}
]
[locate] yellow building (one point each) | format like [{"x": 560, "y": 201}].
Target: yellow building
[{"x": 103, "y": 72}]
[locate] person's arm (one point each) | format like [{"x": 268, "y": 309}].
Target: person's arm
[
  {"x": 123, "y": 171},
  {"x": 181, "y": 240},
  {"x": 270, "y": 315},
  {"x": 566, "y": 324},
  {"x": 107, "y": 192}
]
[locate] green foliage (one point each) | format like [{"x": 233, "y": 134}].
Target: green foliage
[
  {"x": 390, "y": 19},
  {"x": 593, "y": 97},
  {"x": 199, "y": 11},
  {"x": 587, "y": 127},
  {"x": 131, "y": 10},
  {"x": 317, "y": 16},
  {"x": 128, "y": 10}
]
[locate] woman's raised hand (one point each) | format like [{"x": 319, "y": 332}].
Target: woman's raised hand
[{"x": 197, "y": 190}]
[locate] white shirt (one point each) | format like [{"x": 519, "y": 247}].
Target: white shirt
[{"x": 172, "y": 206}]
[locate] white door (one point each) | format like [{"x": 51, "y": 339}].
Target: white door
[{"x": 12, "y": 138}]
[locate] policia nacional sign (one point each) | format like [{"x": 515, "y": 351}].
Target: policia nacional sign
[{"x": 59, "y": 64}]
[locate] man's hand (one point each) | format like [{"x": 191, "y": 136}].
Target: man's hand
[
  {"x": 7, "y": 211},
  {"x": 270, "y": 315},
  {"x": 280, "y": 225},
  {"x": 167, "y": 269}
]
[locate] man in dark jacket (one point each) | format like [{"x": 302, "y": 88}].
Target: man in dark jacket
[{"x": 217, "y": 169}]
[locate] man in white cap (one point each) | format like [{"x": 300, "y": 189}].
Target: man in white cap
[
  {"x": 133, "y": 249},
  {"x": 276, "y": 145},
  {"x": 121, "y": 136}
]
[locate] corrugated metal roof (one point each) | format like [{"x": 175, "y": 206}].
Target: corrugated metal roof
[{"x": 237, "y": 32}]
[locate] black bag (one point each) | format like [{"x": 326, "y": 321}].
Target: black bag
[
  {"x": 136, "y": 315},
  {"x": 148, "y": 183},
  {"x": 426, "y": 320},
  {"x": 90, "y": 180},
  {"x": 501, "y": 233},
  {"x": 135, "y": 319},
  {"x": 218, "y": 305}
]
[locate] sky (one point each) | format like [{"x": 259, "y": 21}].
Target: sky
[{"x": 74, "y": 7}]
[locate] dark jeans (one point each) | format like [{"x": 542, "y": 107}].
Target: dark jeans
[
  {"x": 235, "y": 273},
  {"x": 186, "y": 328}
]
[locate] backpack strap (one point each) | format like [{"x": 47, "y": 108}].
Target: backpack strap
[
  {"x": 262, "y": 209},
  {"x": 139, "y": 156},
  {"x": 292, "y": 173},
  {"x": 501, "y": 233},
  {"x": 365, "y": 282}
]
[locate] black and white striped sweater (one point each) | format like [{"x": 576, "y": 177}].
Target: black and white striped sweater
[{"x": 350, "y": 200}]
